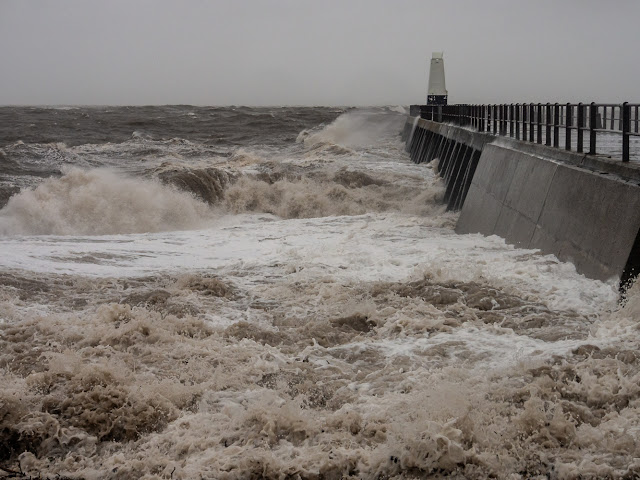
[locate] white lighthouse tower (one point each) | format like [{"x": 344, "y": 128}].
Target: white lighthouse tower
[{"x": 437, "y": 92}]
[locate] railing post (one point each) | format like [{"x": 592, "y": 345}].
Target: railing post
[
  {"x": 548, "y": 126},
  {"x": 485, "y": 117},
  {"x": 568, "y": 123},
  {"x": 626, "y": 117},
  {"x": 494, "y": 119},
  {"x": 511, "y": 116},
  {"x": 505, "y": 123},
  {"x": 524, "y": 121},
  {"x": 503, "y": 119},
  {"x": 439, "y": 113},
  {"x": 556, "y": 125},
  {"x": 539, "y": 119},
  {"x": 579, "y": 149},
  {"x": 593, "y": 119},
  {"x": 481, "y": 121},
  {"x": 531, "y": 121},
  {"x": 506, "y": 120}
]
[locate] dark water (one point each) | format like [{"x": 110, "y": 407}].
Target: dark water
[
  {"x": 224, "y": 126},
  {"x": 38, "y": 142}
]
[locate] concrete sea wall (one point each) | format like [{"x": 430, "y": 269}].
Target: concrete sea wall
[{"x": 581, "y": 208}]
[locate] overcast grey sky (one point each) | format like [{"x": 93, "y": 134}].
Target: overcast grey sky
[{"x": 323, "y": 52}]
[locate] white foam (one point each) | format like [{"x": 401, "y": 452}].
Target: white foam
[
  {"x": 382, "y": 247},
  {"x": 100, "y": 202}
]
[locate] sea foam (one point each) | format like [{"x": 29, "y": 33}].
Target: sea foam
[{"x": 100, "y": 202}]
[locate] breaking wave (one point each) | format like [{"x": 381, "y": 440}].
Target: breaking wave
[
  {"x": 357, "y": 128},
  {"x": 99, "y": 202},
  {"x": 207, "y": 184},
  {"x": 344, "y": 193}
]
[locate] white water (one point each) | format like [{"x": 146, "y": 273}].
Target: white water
[{"x": 373, "y": 344}]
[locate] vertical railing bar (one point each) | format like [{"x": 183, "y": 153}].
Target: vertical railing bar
[
  {"x": 505, "y": 112},
  {"x": 593, "y": 118},
  {"x": 613, "y": 117},
  {"x": 556, "y": 125},
  {"x": 531, "y": 121},
  {"x": 625, "y": 114},
  {"x": 579, "y": 147},
  {"x": 567, "y": 126},
  {"x": 548, "y": 125},
  {"x": 511, "y": 116},
  {"x": 539, "y": 119}
]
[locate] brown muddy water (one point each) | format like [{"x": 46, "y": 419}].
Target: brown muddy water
[{"x": 278, "y": 293}]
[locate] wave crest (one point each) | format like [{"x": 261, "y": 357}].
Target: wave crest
[
  {"x": 347, "y": 193},
  {"x": 99, "y": 202},
  {"x": 207, "y": 184},
  {"x": 354, "y": 129}
]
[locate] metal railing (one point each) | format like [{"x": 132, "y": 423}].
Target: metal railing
[{"x": 598, "y": 128}]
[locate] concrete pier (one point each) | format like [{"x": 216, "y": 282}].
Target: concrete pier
[{"x": 581, "y": 208}]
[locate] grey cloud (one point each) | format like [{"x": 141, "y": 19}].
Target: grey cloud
[{"x": 301, "y": 52}]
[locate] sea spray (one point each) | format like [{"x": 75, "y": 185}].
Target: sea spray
[{"x": 99, "y": 202}]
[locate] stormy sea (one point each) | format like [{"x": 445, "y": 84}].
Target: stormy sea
[{"x": 279, "y": 293}]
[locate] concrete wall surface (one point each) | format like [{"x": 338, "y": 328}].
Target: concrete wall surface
[{"x": 589, "y": 218}]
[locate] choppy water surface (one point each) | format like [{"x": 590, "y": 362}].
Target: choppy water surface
[{"x": 278, "y": 293}]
